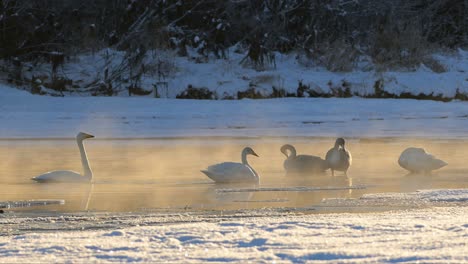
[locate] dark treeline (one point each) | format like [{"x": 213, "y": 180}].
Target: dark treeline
[
  {"x": 31, "y": 28},
  {"x": 332, "y": 32}
]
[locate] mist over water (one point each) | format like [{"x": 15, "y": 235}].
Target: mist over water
[{"x": 164, "y": 174}]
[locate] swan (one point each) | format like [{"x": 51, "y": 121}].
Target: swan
[
  {"x": 70, "y": 176},
  {"x": 230, "y": 172},
  {"x": 338, "y": 158},
  {"x": 418, "y": 160},
  {"x": 302, "y": 163}
]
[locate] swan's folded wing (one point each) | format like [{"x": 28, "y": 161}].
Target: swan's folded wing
[
  {"x": 230, "y": 172},
  {"x": 349, "y": 156},
  {"x": 329, "y": 154},
  {"x": 59, "y": 176},
  {"x": 304, "y": 163}
]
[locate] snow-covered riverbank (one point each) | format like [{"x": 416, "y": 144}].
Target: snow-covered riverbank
[
  {"x": 431, "y": 234},
  {"x": 427, "y": 235},
  {"x": 443, "y": 75},
  {"x": 30, "y": 116}
]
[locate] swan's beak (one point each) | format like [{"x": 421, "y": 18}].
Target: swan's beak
[
  {"x": 89, "y": 136},
  {"x": 255, "y": 154}
]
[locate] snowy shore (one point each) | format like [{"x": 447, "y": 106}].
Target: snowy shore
[
  {"x": 224, "y": 78},
  {"x": 434, "y": 231},
  {"x": 435, "y": 235},
  {"x": 30, "y": 116}
]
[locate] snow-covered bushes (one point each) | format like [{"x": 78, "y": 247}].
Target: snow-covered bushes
[
  {"x": 196, "y": 93},
  {"x": 341, "y": 36}
]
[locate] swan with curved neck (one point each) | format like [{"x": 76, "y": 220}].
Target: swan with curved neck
[
  {"x": 231, "y": 172},
  {"x": 417, "y": 160},
  {"x": 302, "y": 163},
  {"x": 339, "y": 158},
  {"x": 71, "y": 176}
]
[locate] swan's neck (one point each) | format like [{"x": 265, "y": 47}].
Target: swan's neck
[
  {"x": 293, "y": 153},
  {"x": 244, "y": 158},
  {"x": 84, "y": 160},
  {"x": 244, "y": 161}
]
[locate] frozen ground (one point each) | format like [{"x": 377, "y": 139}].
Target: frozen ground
[
  {"x": 30, "y": 116},
  {"x": 435, "y": 230}
]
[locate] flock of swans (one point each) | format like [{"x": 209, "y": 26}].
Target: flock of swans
[{"x": 337, "y": 158}]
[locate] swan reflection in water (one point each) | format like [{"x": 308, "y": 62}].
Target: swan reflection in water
[
  {"x": 77, "y": 195},
  {"x": 220, "y": 198}
]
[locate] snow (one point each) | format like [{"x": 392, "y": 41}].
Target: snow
[
  {"x": 430, "y": 197},
  {"x": 431, "y": 235},
  {"x": 227, "y": 77},
  {"x": 424, "y": 226},
  {"x": 31, "y": 116},
  {"x": 173, "y": 74}
]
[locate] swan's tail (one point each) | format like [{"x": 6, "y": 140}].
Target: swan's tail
[
  {"x": 36, "y": 179},
  {"x": 207, "y": 173},
  {"x": 437, "y": 164}
]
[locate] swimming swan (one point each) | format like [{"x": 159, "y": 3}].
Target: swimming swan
[
  {"x": 338, "y": 158},
  {"x": 230, "y": 172},
  {"x": 70, "y": 176},
  {"x": 302, "y": 163},
  {"x": 418, "y": 160}
]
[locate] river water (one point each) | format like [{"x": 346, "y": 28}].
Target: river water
[{"x": 136, "y": 175}]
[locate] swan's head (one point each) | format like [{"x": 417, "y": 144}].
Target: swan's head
[
  {"x": 285, "y": 148},
  {"x": 249, "y": 151},
  {"x": 340, "y": 142},
  {"x": 82, "y": 136}
]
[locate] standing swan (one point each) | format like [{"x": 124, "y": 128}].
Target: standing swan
[
  {"x": 230, "y": 172},
  {"x": 338, "y": 158},
  {"x": 418, "y": 160},
  {"x": 70, "y": 176},
  {"x": 302, "y": 163}
]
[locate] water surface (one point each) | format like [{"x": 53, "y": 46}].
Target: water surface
[{"x": 164, "y": 174}]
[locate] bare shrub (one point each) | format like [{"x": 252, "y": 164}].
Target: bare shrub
[
  {"x": 339, "y": 56},
  {"x": 191, "y": 92},
  {"x": 433, "y": 64}
]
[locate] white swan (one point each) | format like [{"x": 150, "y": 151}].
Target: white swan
[
  {"x": 70, "y": 176},
  {"x": 418, "y": 160},
  {"x": 230, "y": 172},
  {"x": 338, "y": 158},
  {"x": 302, "y": 163}
]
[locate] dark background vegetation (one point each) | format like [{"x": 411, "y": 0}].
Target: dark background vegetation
[{"x": 335, "y": 33}]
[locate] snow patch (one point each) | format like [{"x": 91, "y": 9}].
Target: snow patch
[
  {"x": 28, "y": 116},
  {"x": 171, "y": 75},
  {"x": 435, "y": 234}
]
